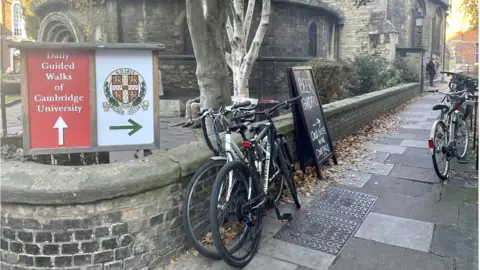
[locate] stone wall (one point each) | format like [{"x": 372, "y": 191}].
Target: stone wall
[
  {"x": 128, "y": 215},
  {"x": 268, "y": 79}
]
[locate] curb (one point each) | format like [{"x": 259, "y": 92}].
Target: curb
[{"x": 12, "y": 103}]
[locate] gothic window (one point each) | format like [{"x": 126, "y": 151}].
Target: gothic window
[
  {"x": 17, "y": 20},
  {"x": 312, "y": 40},
  {"x": 416, "y": 35},
  {"x": 437, "y": 30}
]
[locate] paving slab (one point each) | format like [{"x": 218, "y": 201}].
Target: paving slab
[
  {"x": 380, "y": 156},
  {"x": 270, "y": 226},
  {"x": 419, "y": 153},
  {"x": 409, "y": 160},
  {"x": 468, "y": 216},
  {"x": 379, "y": 185},
  {"x": 454, "y": 242},
  {"x": 354, "y": 178},
  {"x": 464, "y": 265},
  {"x": 188, "y": 261},
  {"x": 392, "y": 149},
  {"x": 328, "y": 221},
  {"x": 424, "y": 208},
  {"x": 417, "y": 174},
  {"x": 415, "y": 143},
  {"x": 371, "y": 168},
  {"x": 362, "y": 254},
  {"x": 413, "y": 126},
  {"x": 297, "y": 254},
  {"x": 388, "y": 140},
  {"x": 455, "y": 194},
  {"x": 403, "y": 136},
  {"x": 414, "y": 131},
  {"x": 397, "y": 231}
]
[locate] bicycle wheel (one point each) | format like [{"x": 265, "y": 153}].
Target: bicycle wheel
[
  {"x": 218, "y": 125},
  {"x": 439, "y": 154},
  {"x": 461, "y": 136},
  {"x": 196, "y": 221},
  {"x": 235, "y": 226},
  {"x": 288, "y": 173}
]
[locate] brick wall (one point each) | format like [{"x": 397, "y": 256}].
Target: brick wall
[
  {"x": 141, "y": 229},
  {"x": 124, "y": 233},
  {"x": 465, "y": 45}
]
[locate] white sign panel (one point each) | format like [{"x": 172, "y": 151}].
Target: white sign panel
[{"x": 124, "y": 81}]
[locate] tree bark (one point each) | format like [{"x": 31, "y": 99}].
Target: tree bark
[
  {"x": 239, "y": 59},
  {"x": 206, "y": 21}
]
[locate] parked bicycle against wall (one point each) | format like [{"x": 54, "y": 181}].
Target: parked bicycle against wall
[
  {"x": 243, "y": 187},
  {"x": 195, "y": 206},
  {"x": 449, "y": 136}
]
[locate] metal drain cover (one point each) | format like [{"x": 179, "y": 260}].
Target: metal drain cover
[{"x": 328, "y": 221}]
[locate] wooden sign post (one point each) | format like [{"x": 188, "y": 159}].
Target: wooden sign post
[
  {"x": 80, "y": 98},
  {"x": 313, "y": 142}
]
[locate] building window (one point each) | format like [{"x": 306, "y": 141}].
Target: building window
[
  {"x": 18, "y": 29},
  {"x": 312, "y": 40},
  {"x": 437, "y": 30}
]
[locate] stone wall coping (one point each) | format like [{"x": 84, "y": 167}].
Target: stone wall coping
[
  {"x": 29, "y": 45},
  {"x": 39, "y": 184}
]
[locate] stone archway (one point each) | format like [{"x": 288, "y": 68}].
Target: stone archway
[{"x": 58, "y": 27}]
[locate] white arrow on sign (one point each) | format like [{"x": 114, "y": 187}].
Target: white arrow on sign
[{"x": 60, "y": 125}]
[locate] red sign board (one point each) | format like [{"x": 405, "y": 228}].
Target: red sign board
[{"x": 58, "y": 99}]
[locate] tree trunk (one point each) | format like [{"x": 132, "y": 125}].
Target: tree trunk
[
  {"x": 239, "y": 60},
  {"x": 206, "y": 21}
]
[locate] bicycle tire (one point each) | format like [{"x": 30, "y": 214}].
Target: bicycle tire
[
  {"x": 288, "y": 173},
  {"x": 206, "y": 137},
  {"x": 460, "y": 117},
  {"x": 442, "y": 175},
  {"x": 187, "y": 222},
  {"x": 227, "y": 255}
]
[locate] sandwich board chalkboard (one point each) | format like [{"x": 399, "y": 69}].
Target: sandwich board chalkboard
[{"x": 313, "y": 142}]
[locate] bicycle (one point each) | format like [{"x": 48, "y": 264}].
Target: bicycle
[
  {"x": 219, "y": 120},
  {"x": 447, "y": 133},
  {"x": 251, "y": 191},
  {"x": 195, "y": 221}
]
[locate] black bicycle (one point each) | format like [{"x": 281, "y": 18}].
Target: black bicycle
[{"x": 242, "y": 189}]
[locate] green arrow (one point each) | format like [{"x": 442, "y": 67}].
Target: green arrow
[{"x": 134, "y": 127}]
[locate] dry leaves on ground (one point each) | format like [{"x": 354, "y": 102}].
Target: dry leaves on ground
[
  {"x": 349, "y": 150},
  {"x": 228, "y": 231}
]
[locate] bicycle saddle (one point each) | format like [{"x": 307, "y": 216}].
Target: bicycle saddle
[
  {"x": 241, "y": 127},
  {"x": 440, "y": 106}
]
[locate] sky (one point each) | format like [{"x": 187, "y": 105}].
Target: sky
[{"x": 456, "y": 21}]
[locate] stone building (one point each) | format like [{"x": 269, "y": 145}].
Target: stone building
[
  {"x": 382, "y": 26},
  {"x": 299, "y": 31}
]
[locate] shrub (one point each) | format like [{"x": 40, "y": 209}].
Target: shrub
[
  {"x": 406, "y": 71},
  {"x": 330, "y": 79},
  {"x": 369, "y": 74}
]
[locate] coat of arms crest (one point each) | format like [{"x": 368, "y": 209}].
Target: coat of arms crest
[{"x": 125, "y": 90}]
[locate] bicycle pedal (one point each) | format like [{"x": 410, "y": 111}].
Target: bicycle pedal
[
  {"x": 286, "y": 217},
  {"x": 463, "y": 161}
]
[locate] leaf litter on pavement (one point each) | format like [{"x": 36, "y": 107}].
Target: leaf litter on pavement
[{"x": 351, "y": 150}]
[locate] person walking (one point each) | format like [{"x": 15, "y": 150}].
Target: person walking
[
  {"x": 192, "y": 109},
  {"x": 431, "y": 71}
]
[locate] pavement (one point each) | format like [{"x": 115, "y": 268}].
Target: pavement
[{"x": 394, "y": 213}]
